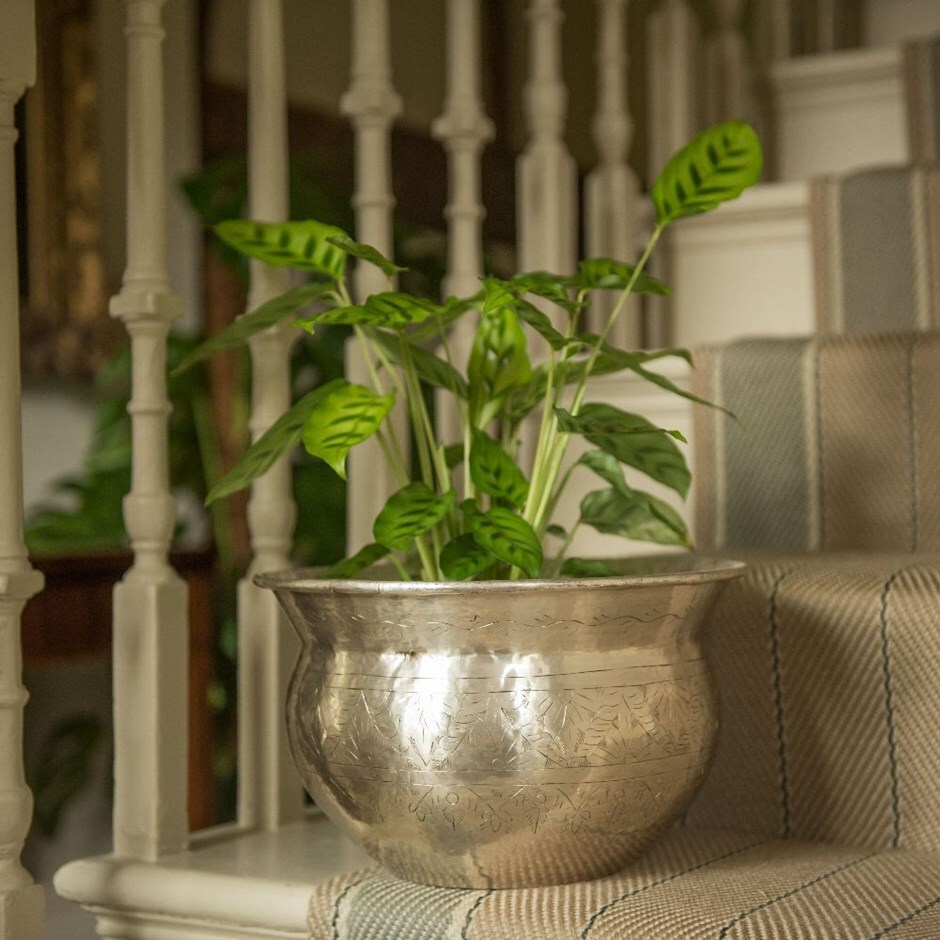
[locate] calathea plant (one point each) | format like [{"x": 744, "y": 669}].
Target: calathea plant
[{"x": 467, "y": 509}]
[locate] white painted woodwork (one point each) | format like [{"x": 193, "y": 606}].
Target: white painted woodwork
[
  {"x": 827, "y": 38},
  {"x": 269, "y": 793},
  {"x": 371, "y": 105},
  {"x": 728, "y": 75},
  {"x": 839, "y": 112},
  {"x": 150, "y": 607},
  {"x": 612, "y": 187},
  {"x": 888, "y": 22},
  {"x": 464, "y": 130},
  {"x": 546, "y": 198},
  {"x": 21, "y": 901},
  {"x": 675, "y": 78},
  {"x": 744, "y": 269},
  {"x": 231, "y": 884}
]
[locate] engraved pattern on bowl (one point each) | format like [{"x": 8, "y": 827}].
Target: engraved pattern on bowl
[{"x": 532, "y": 733}]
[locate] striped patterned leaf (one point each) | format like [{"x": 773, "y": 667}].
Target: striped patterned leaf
[
  {"x": 277, "y": 441},
  {"x": 498, "y": 363},
  {"x": 390, "y": 310},
  {"x": 507, "y": 536},
  {"x": 500, "y": 294},
  {"x": 495, "y": 472},
  {"x": 344, "y": 418},
  {"x": 463, "y": 558},
  {"x": 367, "y": 253},
  {"x": 303, "y": 245},
  {"x": 607, "y": 274},
  {"x": 633, "y": 441},
  {"x": 261, "y": 318},
  {"x": 408, "y": 513},
  {"x": 351, "y": 566},
  {"x": 430, "y": 368},
  {"x": 550, "y": 286},
  {"x": 632, "y": 516},
  {"x": 586, "y": 568},
  {"x": 716, "y": 166}
]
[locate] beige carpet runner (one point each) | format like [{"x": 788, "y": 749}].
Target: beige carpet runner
[
  {"x": 836, "y": 446},
  {"x": 820, "y": 818}
]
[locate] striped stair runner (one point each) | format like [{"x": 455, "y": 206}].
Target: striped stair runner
[{"x": 820, "y": 818}]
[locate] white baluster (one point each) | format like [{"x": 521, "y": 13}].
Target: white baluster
[
  {"x": 547, "y": 196},
  {"x": 268, "y": 791},
  {"x": 464, "y": 130},
  {"x": 674, "y": 80},
  {"x": 728, "y": 85},
  {"x": 613, "y": 187},
  {"x": 21, "y": 901},
  {"x": 372, "y": 106},
  {"x": 150, "y": 608}
]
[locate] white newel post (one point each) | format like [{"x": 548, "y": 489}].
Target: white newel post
[
  {"x": 728, "y": 84},
  {"x": 675, "y": 80},
  {"x": 546, "y": 172},
  {"x": 21, "y": 901},
  {"x": 612, "y": 187},
  {"x": 269, "y": 792},
  {"x": 150, "y": 604},
  {"x": 464, "y": 130},
  {"x": 371, "y": 105}
]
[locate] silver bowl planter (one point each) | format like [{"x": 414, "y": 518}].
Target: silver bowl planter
[{"x": 504, "y": 733}]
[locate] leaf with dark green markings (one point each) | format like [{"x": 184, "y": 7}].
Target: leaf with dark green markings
[
  {"x": 430, "y": 368},
  {"x": 261, "y": 318},
  {"x": 610, "y": 359},
  {"x": 718, "y": 165},
  {"x": 463, "y": 558},
  {"x": 632, "y": 515},
  {"x": 277, "y": 441},
  {"x": 632, "y": 440},
  {"x": 500, "y": 295},
  {"x": 495, "y": 472},
  {"x": 408, "y": 513},
  {"x": 303, "y": 245},
  {"x": 344, "y": 418},
  {"x": 351, "y": 566},
  {"x": 447, "y": 314},
  {"x": 507, "y": 536},
  {"x": 366, "y": 253},
  {"x": 453, "y": 455},
  {"x": 548, "y": 286},
  {"x": 391, "y": 310},
  {"x": 607, "y": 274},
  {"x": 586, "y": 568},
  {"x": 498, "y": 363}
]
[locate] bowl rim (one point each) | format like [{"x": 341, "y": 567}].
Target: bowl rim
[{"x": 678, "y": 569}]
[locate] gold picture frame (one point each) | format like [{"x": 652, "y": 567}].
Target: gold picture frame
[{"x": 67, "y": 332}]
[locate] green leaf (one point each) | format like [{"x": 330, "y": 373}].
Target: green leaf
[
  {"x": 277, "y": 441},
  {"x": 366, "y": 253},
  {"x": 549, "y": 286},
  {"x": 303, "y": 245},
  {"x": 633, "y": 441},
  {"x": 408, "y": 513},
  {"x": 430, "y": 368},
  {"x": 344, "y": 418},
  {"x": 507, "y": 536},
  {"x": 348, "y": 567},
  {"x": 391, "y": 310},
  {"x": 716, "y": 166},
  {"x": 445, "y": 315},
  {"x": 261, "y": 318},
  {"x": 498, "y": 362},
  {"x": 500, "y": 295},
  {"x": 453, "y": 455},
  {"x": 586, "y": 568},
  {"x": 632, "y": 516},
  {"x": 541, "y": 323},
  {"x": 495, "y": 472},
  {"x": 608, "y": 274},
  {"x": 463, "y": 558}
]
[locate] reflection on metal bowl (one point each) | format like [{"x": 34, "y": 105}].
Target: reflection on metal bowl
[{"x": 504, "y": 734}]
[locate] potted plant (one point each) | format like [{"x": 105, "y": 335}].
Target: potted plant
[{"x": 484, "y": 711}]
